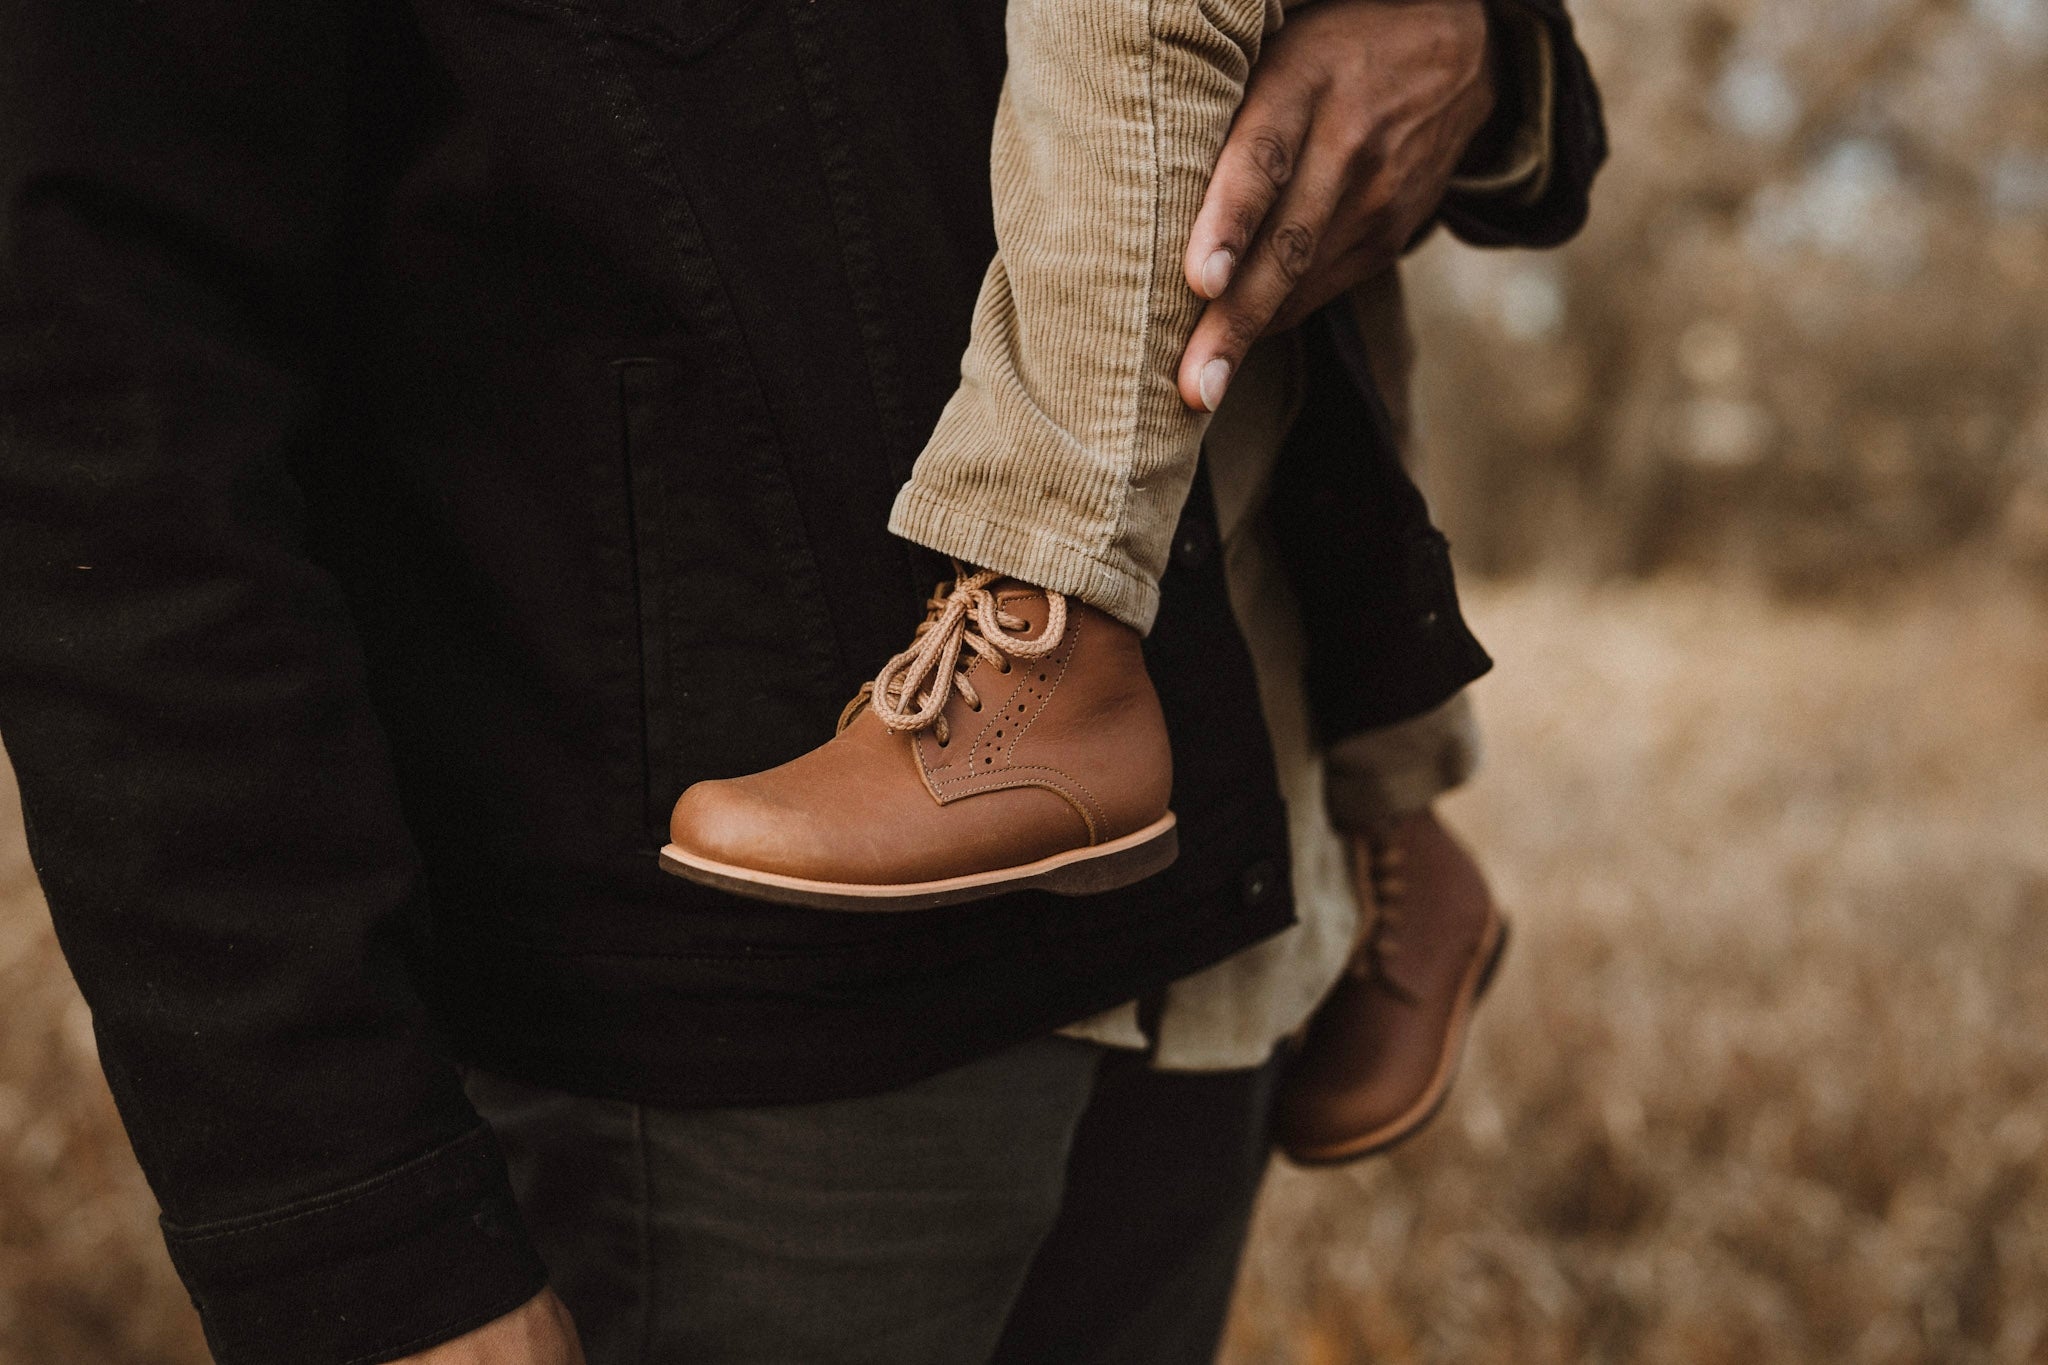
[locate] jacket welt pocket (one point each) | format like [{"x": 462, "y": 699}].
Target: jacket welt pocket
[{"x": 641, "y": 383}]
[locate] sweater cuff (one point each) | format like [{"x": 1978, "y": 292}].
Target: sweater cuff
[
  {"x": 405, "y": 1260},
  {"x": 1376, "y": 777}
]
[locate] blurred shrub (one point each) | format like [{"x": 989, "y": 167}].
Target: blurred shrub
[{"x": 1805, "y": 333}]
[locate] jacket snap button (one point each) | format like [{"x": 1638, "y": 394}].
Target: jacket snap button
[{"x": 1258, "y": 882}]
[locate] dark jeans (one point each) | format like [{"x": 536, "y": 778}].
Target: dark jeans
[{"x": 1054, "y": 1204}]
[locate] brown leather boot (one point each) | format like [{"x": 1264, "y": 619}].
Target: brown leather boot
[
  {"x": 1017, "y": 743},
  {"x": 1378, "y": 1055}
]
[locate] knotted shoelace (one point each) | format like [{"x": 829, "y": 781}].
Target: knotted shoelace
[{"x": 962, "y": 623}]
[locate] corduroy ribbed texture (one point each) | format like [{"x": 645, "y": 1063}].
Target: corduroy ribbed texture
[{"x": 1065, "y": 455}]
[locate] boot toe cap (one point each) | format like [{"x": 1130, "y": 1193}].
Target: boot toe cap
[{"x": 726, "y": 822}]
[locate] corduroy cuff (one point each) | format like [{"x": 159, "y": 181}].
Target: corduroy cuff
[{"x": 1028, "y": 554}]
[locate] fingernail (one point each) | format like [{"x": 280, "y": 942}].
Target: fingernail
[
  {"x": 1216, "y": 273},
  {"x": 1215, "y": 379}
]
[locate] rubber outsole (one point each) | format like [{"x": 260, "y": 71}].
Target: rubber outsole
[
  {"x": 1079, "y": 872},
  {"x": 1417, "y": 1117}
]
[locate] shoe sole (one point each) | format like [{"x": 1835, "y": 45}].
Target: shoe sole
[
  {"x": 1080, "y": 872},
  {"x": 1416, "y": 1117}
]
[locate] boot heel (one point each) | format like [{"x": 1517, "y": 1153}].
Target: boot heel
[{"x": 1153, "y": 851}]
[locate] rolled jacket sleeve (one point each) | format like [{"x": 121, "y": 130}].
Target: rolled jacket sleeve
[
  {"x": 208, "y": 796},
  {"x": 1511, "y": 158},
  {"x": 1528, "y": 177}
]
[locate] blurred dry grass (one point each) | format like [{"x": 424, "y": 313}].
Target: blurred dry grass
[{"x": 1766, "y": 1080}]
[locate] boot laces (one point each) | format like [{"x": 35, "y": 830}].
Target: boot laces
[
  {"x": 962, "y": 623},
  {"x": 1387, "y": 867}
]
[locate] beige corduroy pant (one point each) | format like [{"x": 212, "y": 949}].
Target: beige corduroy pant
[{"x": 1065, "y": 455}]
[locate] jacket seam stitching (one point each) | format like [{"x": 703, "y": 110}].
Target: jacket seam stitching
[
  {"x": 326, "y": 1203},
  {"x": 1018, "y": 776}
]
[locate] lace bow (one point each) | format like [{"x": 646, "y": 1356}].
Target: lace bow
[{"x": 962, "y": 623}]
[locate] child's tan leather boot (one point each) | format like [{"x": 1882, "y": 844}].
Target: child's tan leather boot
[
  {"x": 1017, "y": 743},
  {"x": 1378, "y": 1055}
]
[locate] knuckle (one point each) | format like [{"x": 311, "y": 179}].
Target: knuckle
[
  {"x": 1293, "y": 246},
  {"x": 1245, "y": 218},
  {"x": 1271, "y": 155},
  {"x": 1240, "y": 330}
]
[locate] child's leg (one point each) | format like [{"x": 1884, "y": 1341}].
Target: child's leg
[
  {"x": 1065, "y": 455},
  {"x": 1059, "y": 469}
]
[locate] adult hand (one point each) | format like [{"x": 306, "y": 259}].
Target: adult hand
[
  {"x": 1352, "y": 124},
  {"x": 538, "y": 1332}
]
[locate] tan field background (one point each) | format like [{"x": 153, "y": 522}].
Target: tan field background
[{"x": 1751, "y": 490}]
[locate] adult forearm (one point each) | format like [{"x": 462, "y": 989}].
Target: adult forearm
[{"x": 205, "y": 783}]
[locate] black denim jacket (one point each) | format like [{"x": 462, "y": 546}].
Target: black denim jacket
[{"x": 432, "y": 436}]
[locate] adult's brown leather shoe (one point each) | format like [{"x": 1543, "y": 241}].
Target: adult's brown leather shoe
[
  {"x": 1017, "y": 743},
  {"x": 1378, "y": 1055}
]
